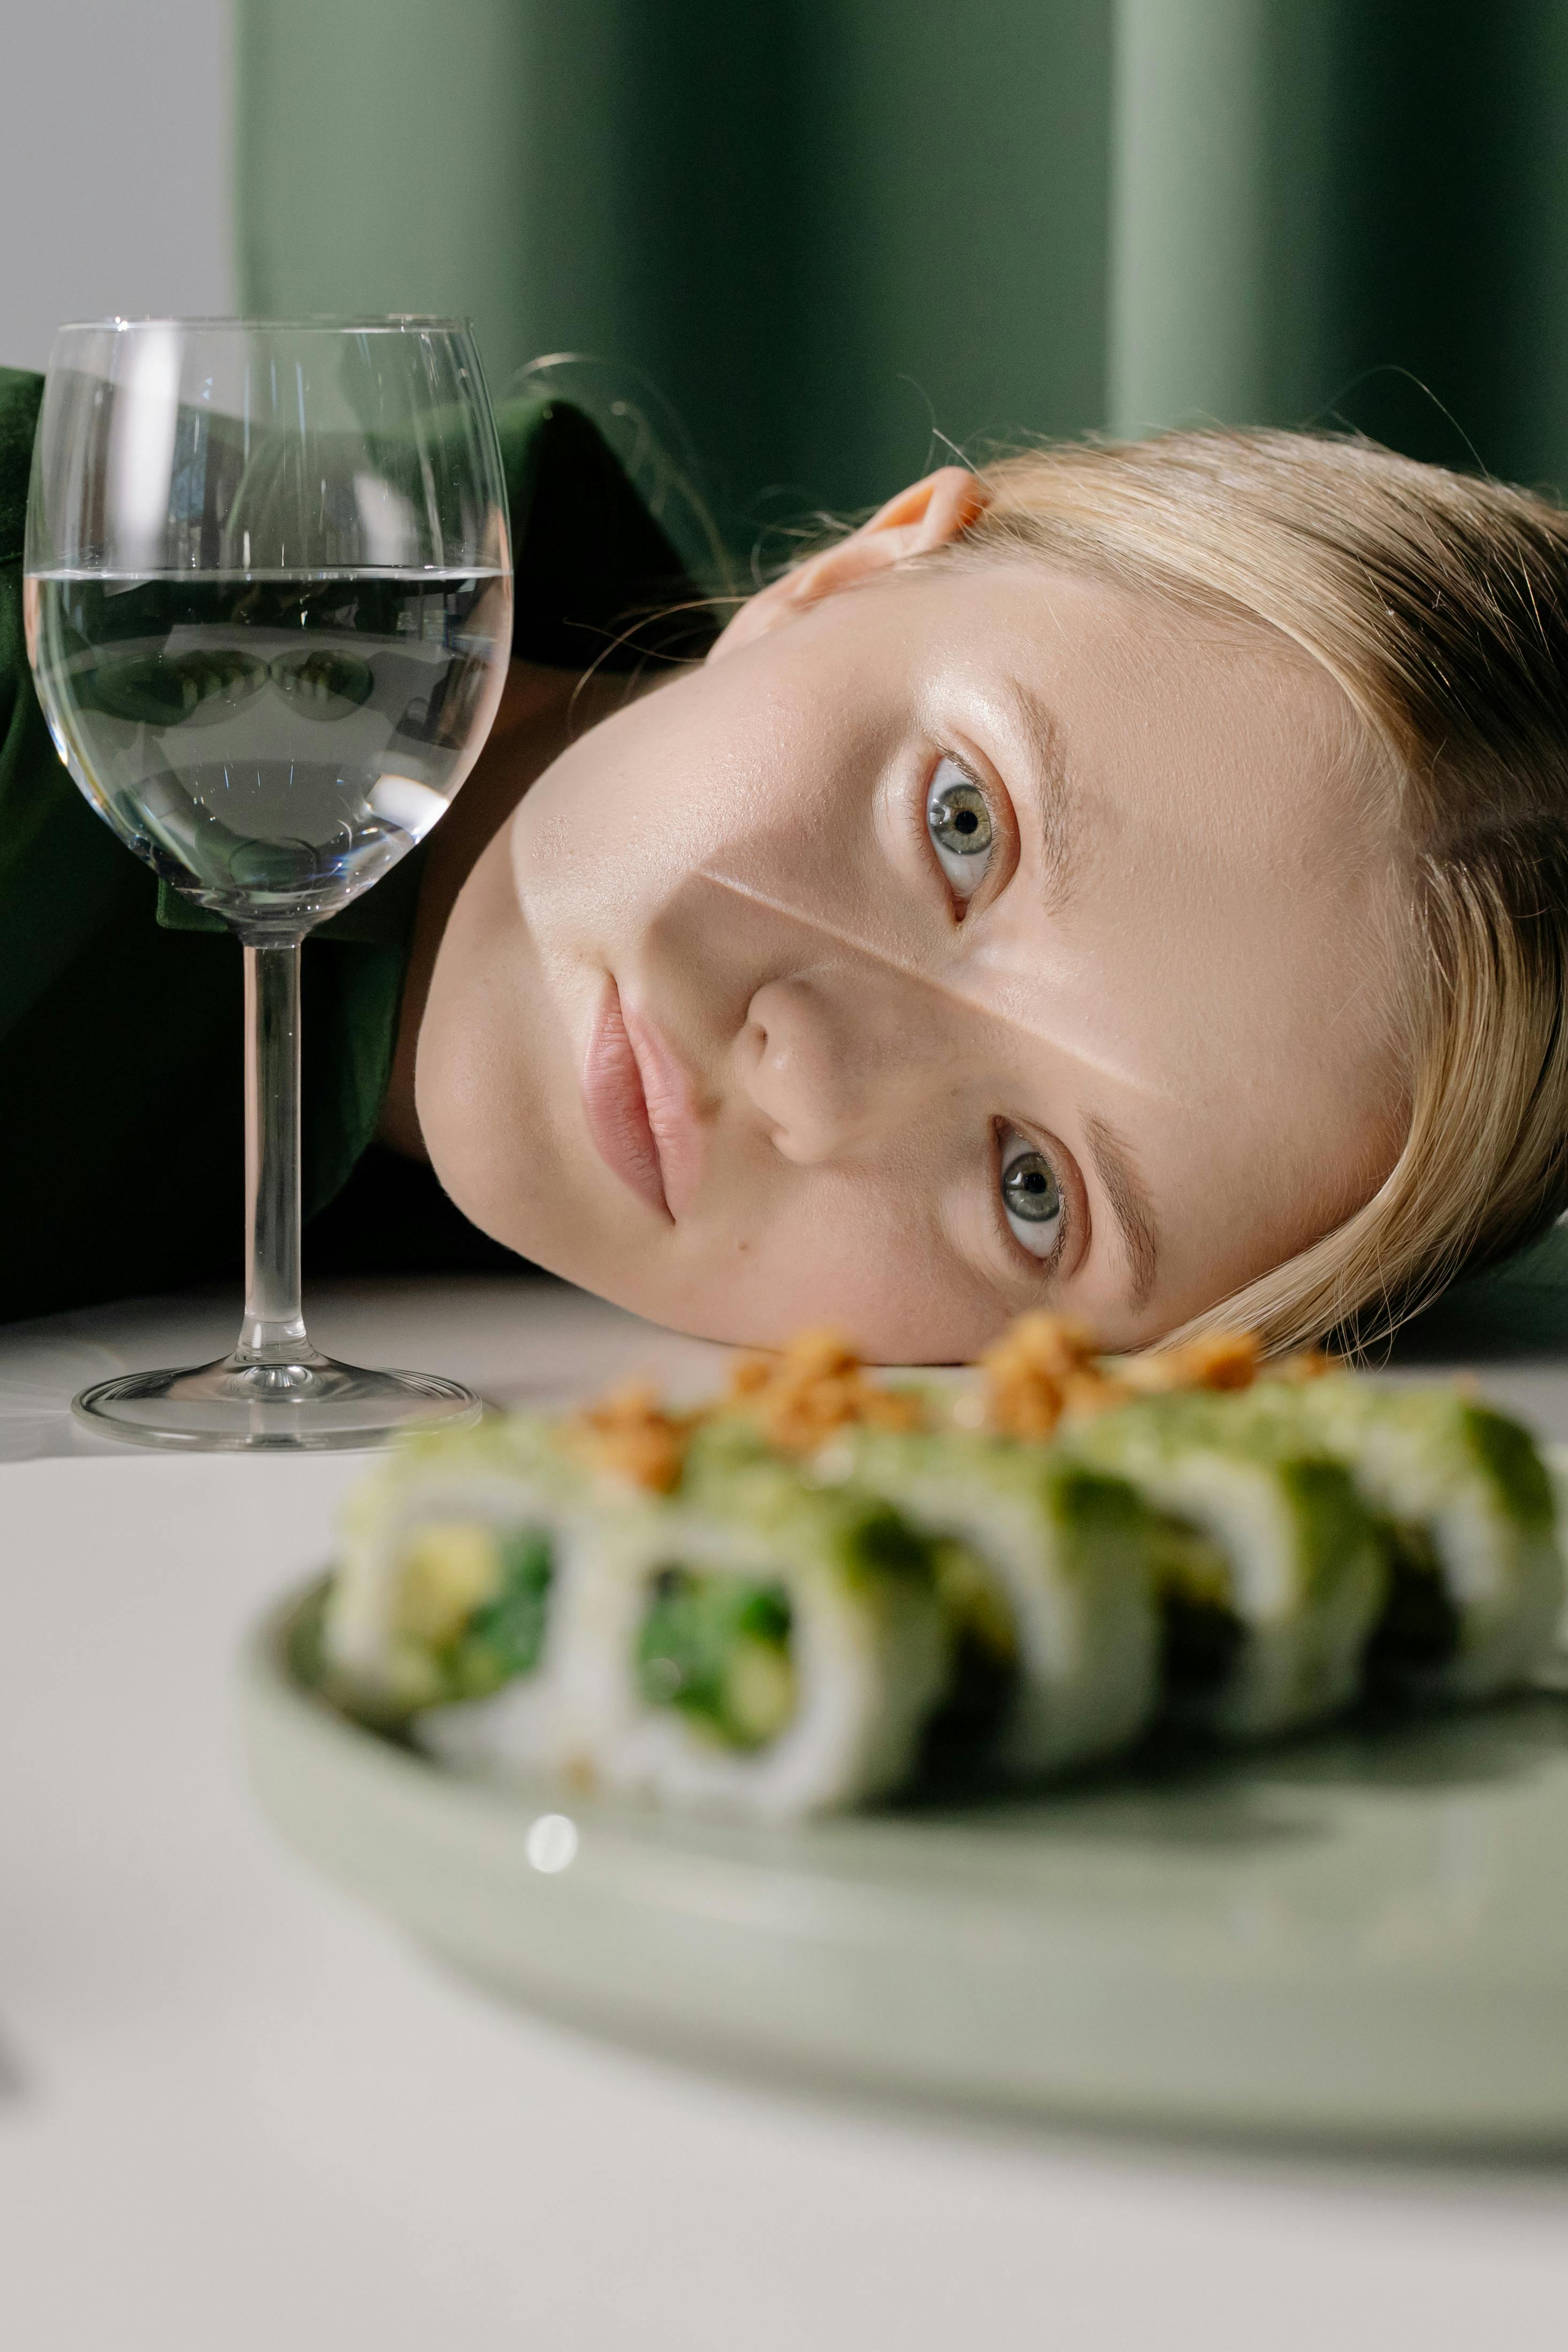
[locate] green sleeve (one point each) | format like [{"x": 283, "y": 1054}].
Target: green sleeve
[
  {"x": 119, "y": 1077},
  {"x": 62, "y": 874}
]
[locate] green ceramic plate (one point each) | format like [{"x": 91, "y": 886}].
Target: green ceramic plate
[{"x": 1362, "y": 1937}]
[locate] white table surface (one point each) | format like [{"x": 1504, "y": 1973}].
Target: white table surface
[{"x": 239, "y": 2115}]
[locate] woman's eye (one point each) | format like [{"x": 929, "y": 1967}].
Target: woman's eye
[
  {"x": 1031, "y": 1197},
  {"x": 959, "y": 820}
]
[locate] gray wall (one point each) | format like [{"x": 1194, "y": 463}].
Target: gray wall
[{"x": 115, "y": 164}]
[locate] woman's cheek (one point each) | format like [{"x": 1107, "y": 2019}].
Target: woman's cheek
[{"x": 819, "y": 1255}]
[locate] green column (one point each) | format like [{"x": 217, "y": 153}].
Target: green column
[
  {"x": 1189, "y": 242},
  {"x": 378, "y": 161},
  {"x": 1222, "y": 262},
  {"x": 953, "y": 167}
]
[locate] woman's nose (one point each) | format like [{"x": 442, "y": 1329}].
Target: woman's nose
[{"x": 806, "y": 1070}]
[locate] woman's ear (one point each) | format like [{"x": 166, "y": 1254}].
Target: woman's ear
[{"x": 928, "y": 514}]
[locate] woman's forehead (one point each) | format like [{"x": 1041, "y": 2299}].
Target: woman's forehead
[{"x": 1060, "y": 625}]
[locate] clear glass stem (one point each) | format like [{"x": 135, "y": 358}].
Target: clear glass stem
[
  {"x": 274, "y": 1391},
  {"x": 273, "y": 1332}
]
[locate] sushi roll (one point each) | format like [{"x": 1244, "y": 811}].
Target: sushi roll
[
  {"x": 444, "y": 1614},
  {"x": 1273, "y": 1574},
  {"x": 535, "y": 1596},
  {"x": 1047, "y": 1576},
  {"x": 825, "y": 1590},
  {"x": 1466, "y": 1504},
  {"x": 770, "y": 1649}
]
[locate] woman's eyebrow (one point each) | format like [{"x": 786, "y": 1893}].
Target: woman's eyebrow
[
  {"x": 1042, "y": 740},
  {"x": 1117, "y": 1170}
]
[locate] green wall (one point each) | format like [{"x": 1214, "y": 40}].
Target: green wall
[
  {"x": 1346, "y": 209},
  {"x": 814, "y": 241},
  {"x": 805, "y": 238}
]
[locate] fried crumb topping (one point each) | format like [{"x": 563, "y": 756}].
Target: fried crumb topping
[
  {"x": 1042, "y": 1366},
  {"x": 631, "y": 1435},
  {"x": 1218, "y": 1360},
  {"x": 818, "y": 1385},
  {"x": 1042, "y": 1370}
]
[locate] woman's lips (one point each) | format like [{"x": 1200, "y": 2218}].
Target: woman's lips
[{"x": 641, "y": 1112}]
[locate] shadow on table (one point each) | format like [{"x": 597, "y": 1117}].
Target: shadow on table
[{"x": 1178, "y": 1794}]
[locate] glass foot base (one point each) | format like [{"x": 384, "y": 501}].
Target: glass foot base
[{"x": 303, "y": 1404}]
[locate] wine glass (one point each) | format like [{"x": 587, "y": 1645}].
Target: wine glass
[{"x": 268, "y": 607}]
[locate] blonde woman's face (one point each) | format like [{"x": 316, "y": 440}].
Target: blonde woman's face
[{"x": 981, "y": 937}]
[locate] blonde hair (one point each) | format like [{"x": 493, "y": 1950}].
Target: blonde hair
[{"x": 1439, "y": 605}]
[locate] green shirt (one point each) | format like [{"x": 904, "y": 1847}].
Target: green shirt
[{"x": 122, "y": 1155}]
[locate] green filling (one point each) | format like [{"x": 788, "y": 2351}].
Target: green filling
[
  {"x": 717, "y": 1647},
  {"x": 471, "y": 1612},
  {"x": 505, "y": 1635},
  {"x": 1420, "y": 1628}
]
